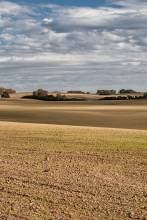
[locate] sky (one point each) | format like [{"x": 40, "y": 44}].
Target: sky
[{"x": 73, "y": 44}]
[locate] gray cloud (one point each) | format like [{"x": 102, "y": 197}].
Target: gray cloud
[
  {"x": 65, "y": 77},
  {"x": 101, "y": 47}
]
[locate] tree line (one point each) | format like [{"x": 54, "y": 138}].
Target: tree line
[
  {"x": 114, "y": 92},
  {"x": 42, "y": 94},
  {"x": 123, "y": 94}
]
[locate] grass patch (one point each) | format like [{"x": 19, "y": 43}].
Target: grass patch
[{"x": 68, "y": 138}]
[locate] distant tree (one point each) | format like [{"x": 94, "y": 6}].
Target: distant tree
[
  {"x": 76, "y": 92},
  {"x": 40, "y": 93},
  {"x": 43, "y": 95},
  {"x": 145, "y": 95},
  {"x": 11, "y": 91},
  {"x": 5, "y": 94},
  {"x": 2, "y": 89},
  {"x": 106, "y": 92},
  {"x": 60, "y": 97},
  {"x": 126, "y": 91}
]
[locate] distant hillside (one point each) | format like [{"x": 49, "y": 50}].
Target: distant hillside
[{"x": 19, "y": 95}]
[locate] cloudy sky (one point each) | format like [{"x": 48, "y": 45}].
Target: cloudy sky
[{"x": 73, "y": 44}]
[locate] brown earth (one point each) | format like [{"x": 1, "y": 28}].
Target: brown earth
[
  {"x": 121, "y": 114},
  {"x": 64, "y": 172}
]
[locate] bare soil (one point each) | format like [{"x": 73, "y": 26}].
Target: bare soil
[
  {"x": 40, "y": 182},
  {"x": 121, "y": 114}
]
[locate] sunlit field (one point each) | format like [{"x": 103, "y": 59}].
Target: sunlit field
[
  {"x": 73, "y": 110},
  {"x": 67, "y": 172},
  {"x": 111, "y": 114}
]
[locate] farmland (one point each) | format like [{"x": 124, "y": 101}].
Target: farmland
[
  {"x": 120, "y": 114},
  {"x": 73, "y": 160}
]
